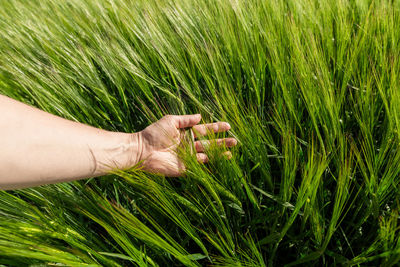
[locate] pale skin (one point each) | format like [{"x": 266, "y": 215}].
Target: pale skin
[{"x": 38, "y": 148}]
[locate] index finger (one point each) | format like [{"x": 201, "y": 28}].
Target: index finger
[
  {"x": 204, "y": 129},
  {"x": 185, "y": 121}
]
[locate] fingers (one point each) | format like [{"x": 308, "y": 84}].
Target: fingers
[
  {"x": 204, "y": 129},
  {"x": 185, "y": 121},
  {"x": 202, "y": 158},
  {"x": 202, "y": 145},
  {"x": 227, "y": 154}
]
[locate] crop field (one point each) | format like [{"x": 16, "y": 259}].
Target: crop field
[{"x": 310, "y": 88}]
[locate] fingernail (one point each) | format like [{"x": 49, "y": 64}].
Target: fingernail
[{"x": 229, "y": 126}]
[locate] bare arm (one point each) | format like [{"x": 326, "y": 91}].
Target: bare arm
[{"x": 38, "y": 148}]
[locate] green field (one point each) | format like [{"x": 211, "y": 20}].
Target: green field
[{"x": 311, "y": 90}]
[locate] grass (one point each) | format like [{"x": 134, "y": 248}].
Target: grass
[{"x": 310, "y": 88}]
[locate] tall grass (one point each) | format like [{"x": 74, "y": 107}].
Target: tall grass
[{"x": 310, "y": 88}]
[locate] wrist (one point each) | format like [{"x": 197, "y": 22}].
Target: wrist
[
  {"x": 122, "y": 152},
  {"x": 132, "y": 147}
]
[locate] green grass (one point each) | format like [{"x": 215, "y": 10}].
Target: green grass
[{"x": 310, "y": 88}]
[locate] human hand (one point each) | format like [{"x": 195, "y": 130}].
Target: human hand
[{"x": 159, "y": 143}]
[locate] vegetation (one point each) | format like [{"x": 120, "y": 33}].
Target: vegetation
[{"x": 310, "y": 88}]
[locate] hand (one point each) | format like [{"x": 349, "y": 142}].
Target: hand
[{"x": 160, "y": 140}]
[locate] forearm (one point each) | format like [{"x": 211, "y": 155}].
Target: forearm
[{"x": 39, "y": 148}]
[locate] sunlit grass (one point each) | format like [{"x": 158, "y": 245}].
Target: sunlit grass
[{"x": 310, "y": 88}]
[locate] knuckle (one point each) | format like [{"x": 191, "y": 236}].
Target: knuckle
[{"x": 168, "y": 117}]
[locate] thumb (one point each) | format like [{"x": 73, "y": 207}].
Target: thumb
[{"x": 185, "y": 121}]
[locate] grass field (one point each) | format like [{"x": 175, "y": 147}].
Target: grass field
[{"x": 311, "y": 90}]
